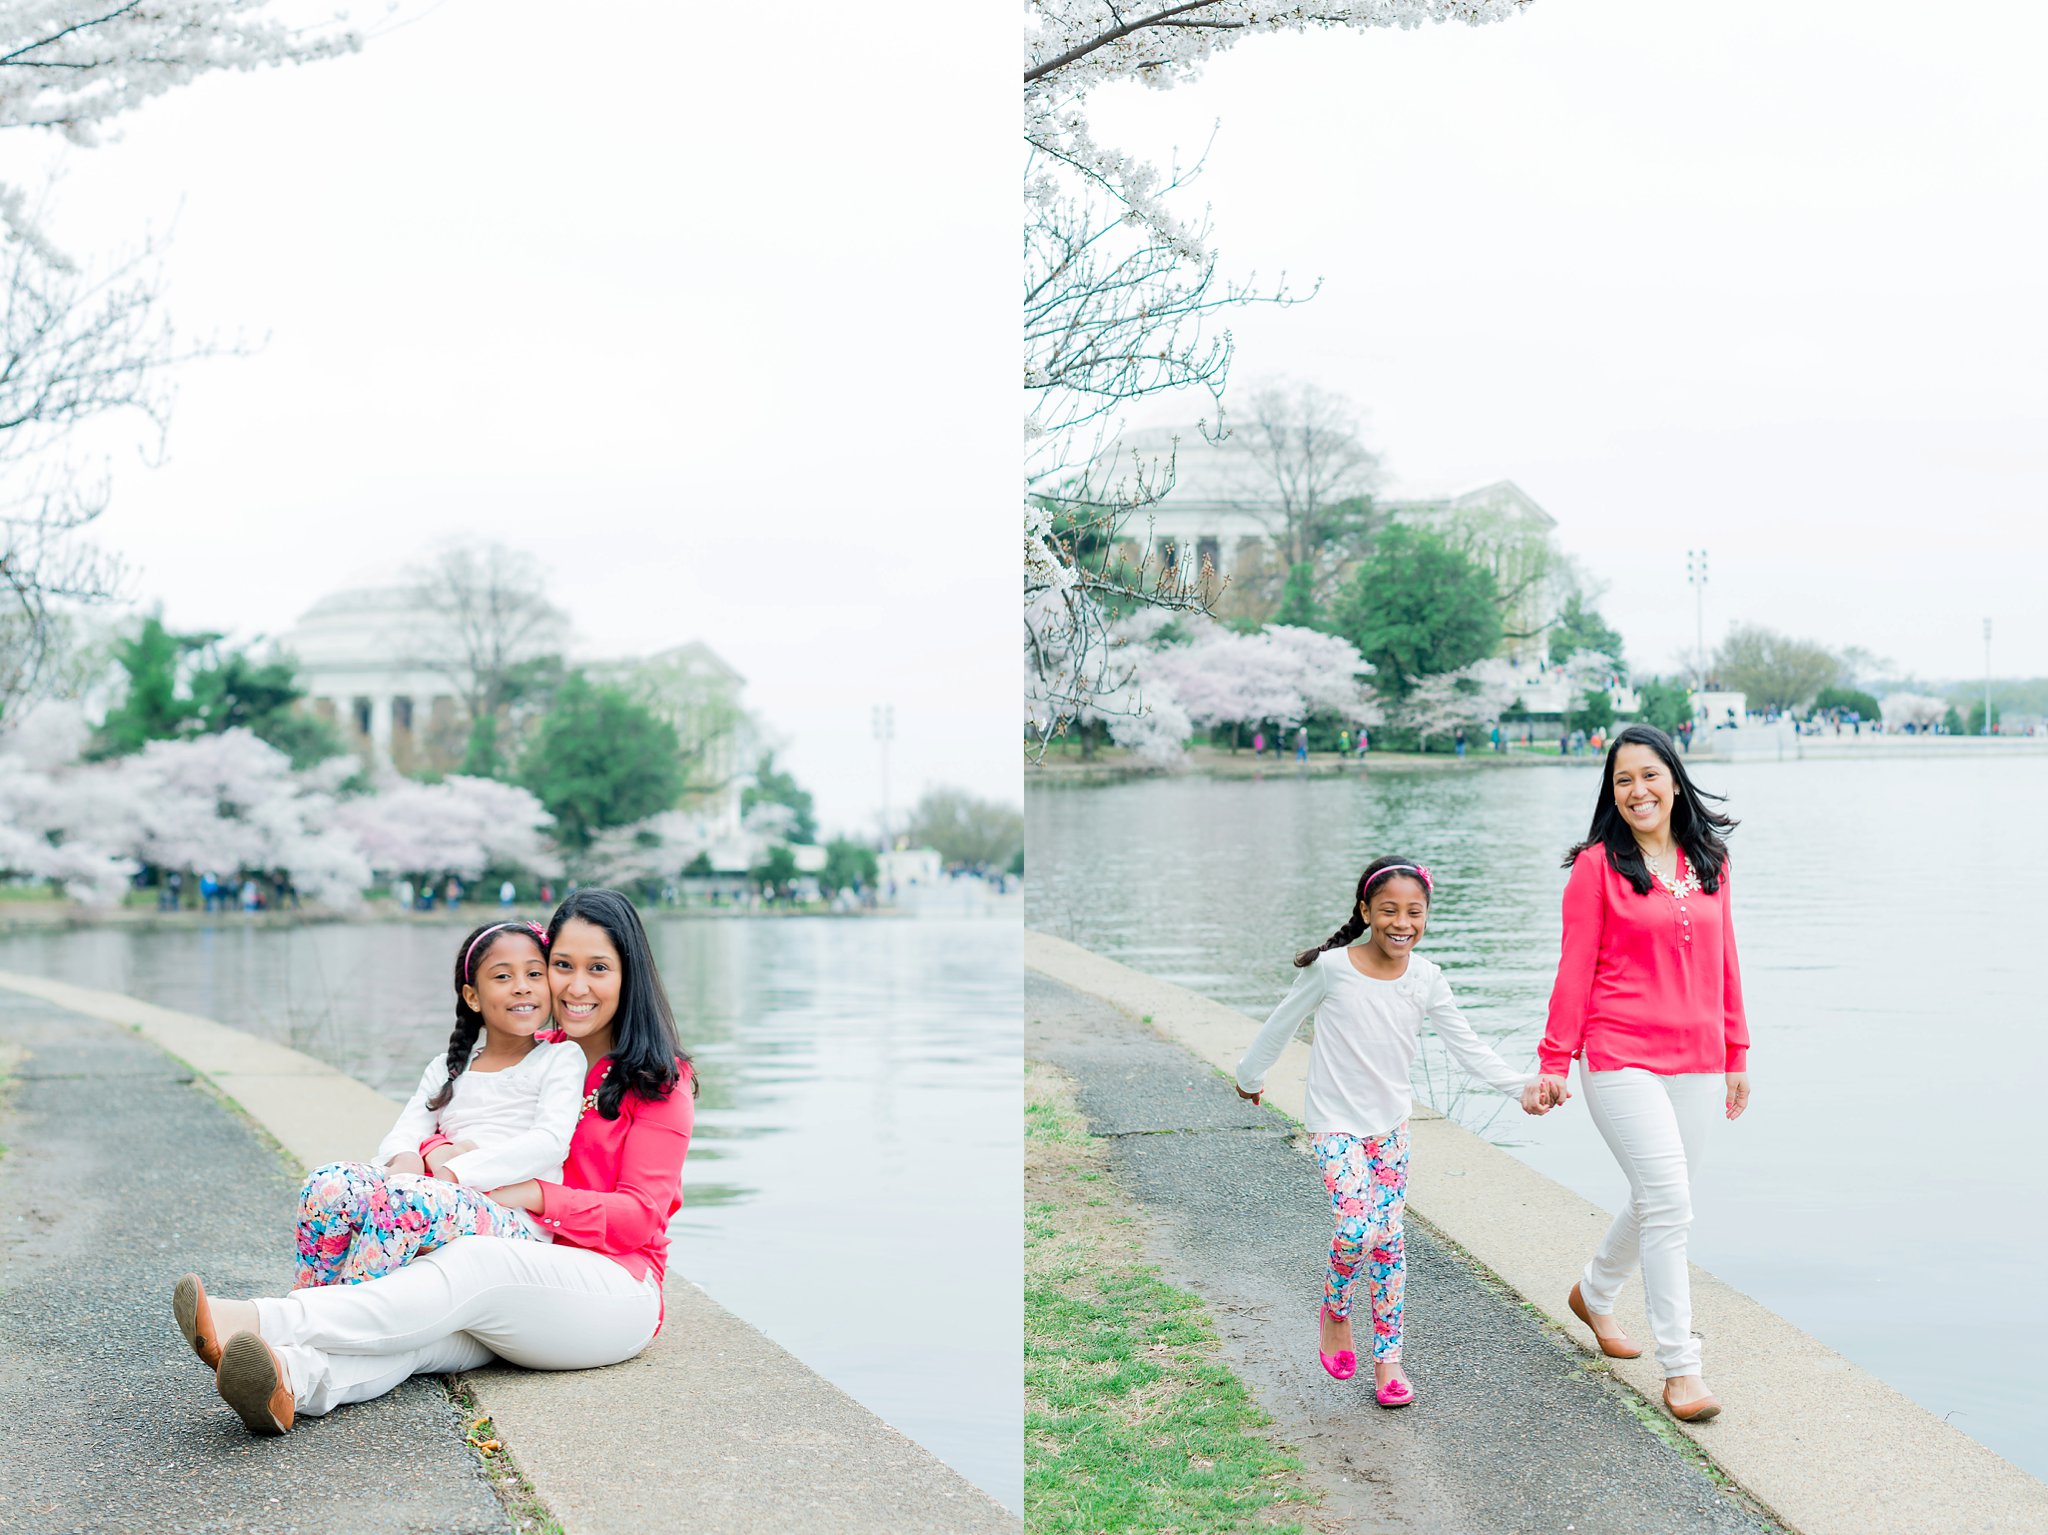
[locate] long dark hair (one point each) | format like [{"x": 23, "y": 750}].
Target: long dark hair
[
  {"x": 646, "y": 1056},
  {"x": 469, "y": 1023},
  {"x": 1695, "y": 826},
  {"x": 1354, "y": 924}
]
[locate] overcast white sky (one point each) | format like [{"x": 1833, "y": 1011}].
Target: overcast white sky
[
  {"x": 1762, "y": 277},
  {"x": 710, "y": 310}
]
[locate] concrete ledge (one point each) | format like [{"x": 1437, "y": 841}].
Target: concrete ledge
[
  {"x": 1826, "y": 1446},
  {"x": 714, "y": 1427}
]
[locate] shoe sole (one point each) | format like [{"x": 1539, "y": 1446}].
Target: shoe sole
[
  {"x": 185, "y": 1301},
  {"x": 248, "y": 1383},
  {"x": 1705, "y": 1414},
  {"x": 1579, "y": 1310}
]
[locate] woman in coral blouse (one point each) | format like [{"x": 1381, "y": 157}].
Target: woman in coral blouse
[
  {"x": 1649, "y": 998},
  {"x": 590, "y": 1297}
]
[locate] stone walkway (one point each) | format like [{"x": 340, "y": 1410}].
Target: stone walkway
[
  {"x": 1513, "y": 1429},
  {"x": 119, "y": 1173}
]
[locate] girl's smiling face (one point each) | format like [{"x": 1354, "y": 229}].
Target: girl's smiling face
[
  {"x": 1397, "y": 912},
  {"x": 1643, "y": 790},
  {"x": 509, "y": 986},
  {"x": 585, "y": 976}
]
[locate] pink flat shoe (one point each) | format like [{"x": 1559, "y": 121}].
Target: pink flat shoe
[
  {"x": 1395, "y": 1393},
  {"x": 1343, "y": 1364}
]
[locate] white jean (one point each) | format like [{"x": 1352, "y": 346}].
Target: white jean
[
  {"x": 1657, "y": 1129},
  {"x": 547, "y": 1307}
]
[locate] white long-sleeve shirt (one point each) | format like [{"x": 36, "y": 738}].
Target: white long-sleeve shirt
[
  {"x": 1367, "y": 1034},
  {"x": 520, "y": 1118}
]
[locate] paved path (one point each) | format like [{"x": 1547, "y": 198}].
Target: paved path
[
  {"x": 1511, "y": 1431},
  {"x": 118, "y": 1175}
]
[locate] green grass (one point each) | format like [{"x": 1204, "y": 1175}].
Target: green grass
[
  {"x": 1131, "y": 1421},
  {"x": 522, "y": 1505}
]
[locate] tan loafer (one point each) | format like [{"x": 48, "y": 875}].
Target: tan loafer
[
  {"x": 195, "y": 1320},
  {"x": 253, "y": 1382},
  {"x": 1613, "y": 1348},
  {"x": 1697, "y": 1411}
]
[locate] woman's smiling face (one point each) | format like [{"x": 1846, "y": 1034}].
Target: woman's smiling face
[
  {"x": 1643, "y": 790},
  {"x": 584, "y": 974}
]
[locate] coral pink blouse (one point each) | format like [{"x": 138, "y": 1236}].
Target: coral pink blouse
[
  {"x": 1644, "y": 980},
  {"x": 623, "y": 1180}
]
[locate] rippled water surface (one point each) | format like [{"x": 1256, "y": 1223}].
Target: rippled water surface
[
  {"x": 852, "y": 1186},
  {"x": 1887, "y": 1190}
]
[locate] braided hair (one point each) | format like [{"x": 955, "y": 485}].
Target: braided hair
[
  {"x": 469, "y": 1023},
  {"x": 1376, "y": 872}
]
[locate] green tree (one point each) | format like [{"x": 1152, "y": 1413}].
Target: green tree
[
  {"x": 599, "y": 760},
  {"x": 1298, "y": 603},
  {"x": 1667, "y": 705},
  {"x": 1578, "y": 628},
  {"x": 1975, "y": 725},
  {"x": 232, "y": 690},
  {"x": 181, "y": 685},
  {"x": 1595, "y": 712},
  {"x": 773, "y": 786},
  {"x": 1952, "y": 722},
  {"x": 777, "y": 871},
  {"x": 1415, "y": 607},
  {"x": 1774, "y": 670},
  {"x": 1848, "y": 701},
  {"x": 962, "y": 829},
  {"x": 154, "y": 705},
  {"x": 848, "y": 863}
]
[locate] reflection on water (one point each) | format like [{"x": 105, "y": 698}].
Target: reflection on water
[
  {"x": 852, "y": 1184},
  {"x": 1885, "y": 1191}
]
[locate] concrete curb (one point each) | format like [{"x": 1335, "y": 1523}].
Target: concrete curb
[
  {"x": 713, "y": 1427},
  {"x": 1825, "y": 1446}
]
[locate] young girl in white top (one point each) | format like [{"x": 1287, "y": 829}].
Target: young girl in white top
[
  {"x": 496, "y": 1109},
  {"x": 1370, "y": 1001}
]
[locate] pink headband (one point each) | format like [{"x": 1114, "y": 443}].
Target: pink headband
[
  {"x": 1415, "y": 869},
  {"x": 540, "y": 936}
]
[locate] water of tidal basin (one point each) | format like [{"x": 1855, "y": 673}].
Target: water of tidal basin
[
  {"x": 851, "y": 1187},
  {"x": 1886, "y": 1190}
]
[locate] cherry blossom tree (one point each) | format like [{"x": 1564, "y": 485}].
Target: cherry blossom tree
[
  {"x": 460, "y": 826},
  {"x": 1121, "y": 300},
  {"x": 1221, "y": 677},
  {"x": 1435, "y": 706},
  {"x": 1922, "y": 711},
  {"x": 79, "y": 341},
  {"x": 37, "y": 841},
  {"x": 649, "y": 851}
]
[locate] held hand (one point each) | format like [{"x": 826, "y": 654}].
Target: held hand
[
  {"x": 1249, "y": 1097},
  {"x": 1554, "y": 1089},
  {"x": 406, "y": 1162},
  {"x": 1738, "y": 1093},
  {"x": 1532, "y": 1100},
  {"x": 439, "y": 1158}
]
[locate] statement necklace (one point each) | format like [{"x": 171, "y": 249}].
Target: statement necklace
[
  {"x": 1680, "y": 888},
  {"x": 590, "y": 1098}
]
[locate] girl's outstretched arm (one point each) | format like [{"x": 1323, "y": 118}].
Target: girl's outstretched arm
[
  {"x": 1295, "y": 1009},
  {"x": 1474, "y": 1054}
]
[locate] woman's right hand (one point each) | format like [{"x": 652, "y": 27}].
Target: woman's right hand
[{"x": 1249, "y": 1097}]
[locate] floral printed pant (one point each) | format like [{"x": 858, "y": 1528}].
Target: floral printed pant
[
  {"x": 1367, "y": 1177},
  {"x": 360, "y": 1222}
]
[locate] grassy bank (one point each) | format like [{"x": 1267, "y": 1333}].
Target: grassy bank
[{"x": 1130, "y": 1420}]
